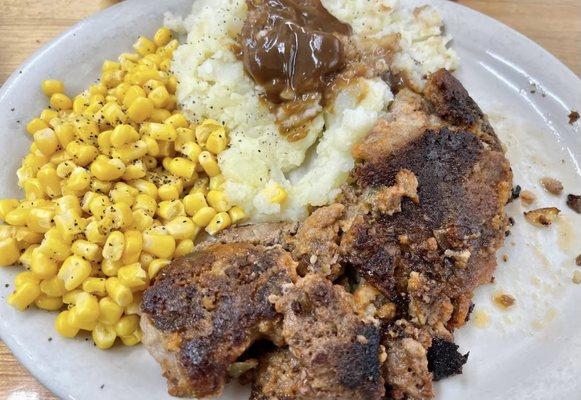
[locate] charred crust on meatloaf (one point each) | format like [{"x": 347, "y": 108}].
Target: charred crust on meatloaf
[
  {"x": 444, "y": 359},
  {"x": 217, "y": 301}
]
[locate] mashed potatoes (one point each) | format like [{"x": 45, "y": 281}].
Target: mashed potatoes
[{"x": 213, "y": 84}]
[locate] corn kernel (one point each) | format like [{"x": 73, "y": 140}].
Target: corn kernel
[
  {"x": 275, "y": 194},
  {"x": 42, "y": 265},
  {"x": 217, "y": 199},
  {"x": 184, "y": 247},
  {"x": 155, "y": 266},
  {"x": 203, "y": 216},
  {"x": 48, "y": 303},
  {"x": 61, "y": 102},
  {"x": 114, "y": 246},
  {"x": 140, "y": 109},
  {"x": 135, "y": 170},
  {"x": 169, "y": 191},
  {"x": 63, "y": 327},
  {"x": 112, "y": 79},
  {"x": 159, "y": 115},
  {"x": 7, "y": 205},
  {"x": 164, "y": 132},
  {"x": 182, "y": 228},
  {"x": 159, "y": 97},
  {"x": 24, "y": 295},
  {"x": 133, "y": 247},
  {"x": 17, "y": 217},
  {"x": 237, "y": 214},
  {"x": 132, "y": 276},
  {"x": 55, "y": 248},
  {"x": 113, "y": 114},
  {"x": 161, "y": 246},
  {"x": 88, "y": 250},
  {"x": 53, "y": 287},
  {"x": 82, "y": 154},
  {"x": 26, "y": 258},
  {"x": 170, "y": 209},
  {"x": 166, "y": 148},
  {"x": 172, "y": 84},
  {"x": 36, "y": 125},
  {"x": 220, "y": 222},
  {"x": 177, "y": 120},
  {"x": 107, "y": 169},
  {"x": 65, "y": 134},
  {"x": 181, "y": 167},
  {"x": 204, "y": 130},
  {"x": 33, "y": 189},
  {"x": 209, "y": 163},
  {"x": 144, "y": 46},
  {"x": 127, "y": 325},
  {"x": 109, "y": 311},
  {"x": 40, "y": 220},
  {"x": 217, "y": 141},
  {"x": 95, "y": 285},
  {"x": 48, "y": 115},
  {"x": 132, "y": 339},
  {"x": 110, "y": 268},
  {"x": 141, "y": 220},
  {"x": 50, "y": 181},
  {"x": 162, "y": 36},
  {"x": 52, "y": 86},
  {"x": 103, "y": 336},
  {"x": 9, "y": 252},
  {"x": 85, "y": 311},
  {"x": 120, "y": 293},
  {"x": 123, "y": 134},
  {"x": 74, "y": 271}
]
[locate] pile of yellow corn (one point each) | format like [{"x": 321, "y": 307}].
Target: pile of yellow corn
[{"x": 117, "y": 183}]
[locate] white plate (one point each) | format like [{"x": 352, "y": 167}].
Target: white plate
[{"x": 530, "y": 352}]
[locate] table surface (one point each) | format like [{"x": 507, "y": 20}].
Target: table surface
[{"x": 25, "y": 25}]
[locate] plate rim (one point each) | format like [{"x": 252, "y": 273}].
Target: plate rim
[{"x": 20, "y": 73}]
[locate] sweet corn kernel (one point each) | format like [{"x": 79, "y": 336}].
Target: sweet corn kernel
[
  {"x": 184, "y": 247},
  {"x": 36, "y": 125},
  {"x": 140, "y": 109},
  {"x": 24, "y": 295},
  {"x": 52, "y": 86},
  {"x": 194, "y": 202},
  {"x": 25, "y": 236},
  {"x": 170, "y": 209},
  {"x": 169, "y": 191},
  {"x": 53, "y": 287},
  {"x": 133, "y": 247},
  {"x": 135, "y": 170},
  {"x": 9, "y": 252},
  {"x": 50, "y": 181},
  {"x": 132, "y": 276},
  {"x": 144, "y": 46},
  {"x": 217, "y": 182},
  {"x": 237, "y": 214},
  {"x": 55, "y": 248},
  {"x": 26, "y": 258},
  {"x": 132, "y": 339},
  {"x": 141, "y": 220},
  {"x": 217, "y": 199},
  {"x": 46, "y": 141},
  {"x": 48, "y": 115},
  {"x": 181, "y": 167},
  {"x": 177, "y": 120},
  {"x": 88, "y": 250},
  {"x": 48, "y": 303},
  {"x": 220, "y": 222},
  {"x": 85, "y": 310},
  {"x": 162, "y": 36},
  {"x": 114, "y": 246},
  {"x": 275, "y": 194},
  {"x": 110, "y": 268},
  {"x": 204, "y": 130},
  {"x": 63, "y": 327},
  {"x": 120, "y": 293},
  {"x": 42, "y": 265},
  {"x": 109, "y": 311},
  {"x": 61, "y": 102},
  {"x": 17, "y": 217},
  {"x": 7, "y": 205},
  {"x": 33, "y": 189},
  {"x": 172, "y": 84},
  {"x": 95, "y": 286},
  {"x": 127, "y": 325},
  {"x": 164, "y": 131},
  {"x": 81, "y": 153},
  {"x": 203, "y": 216},
  {"x": 166, "y": 148},
  {"x": 209, "y": 163},
  {"x": 182, "y": 228},
  {"x": 103, "y": 336},
  {"x": 74, "y": 271},
  {"x": 159, "y": 97},
  {"x": 123, "y": 134},
  {"x": 161, "y": 246},
  {"x": 217, "y": 141},
  {"x": 159, "y": 115},
  {"x": 40, "y": 220},
  {"x": 113, "y": 114},
  {"x": 155, "y": 266},
  {"x": 107, "y": 169}
]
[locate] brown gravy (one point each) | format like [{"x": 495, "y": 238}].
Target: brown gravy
[{"x": 291, "y": 47}]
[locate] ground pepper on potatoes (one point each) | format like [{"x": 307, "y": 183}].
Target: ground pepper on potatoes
[{"x": 117, "y": 183}]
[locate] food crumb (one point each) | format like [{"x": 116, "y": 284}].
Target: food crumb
[
  {"x": 527, "y": 197},
  {"x": 578, "y": 260},
  {"x": 552, "y": 185},
  {"x": 481, "y": 318},
  {"x": 542, "y": 216},
  {"x": 573, "y": 117},
  {"x": 362, "y": 339},
  {"x": 50, "y": 339},
  {"x": 505, "y": 257},
  {"x": 516, "y": 192},
  {"x": 102, "y": 386},
  {"x": 574, "y": 202},
  {"x": 577, "y": 277},
  {"x": 503, "y": 301}
]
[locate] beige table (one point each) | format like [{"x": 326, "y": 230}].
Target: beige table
[{"x": 25, "y": 25}]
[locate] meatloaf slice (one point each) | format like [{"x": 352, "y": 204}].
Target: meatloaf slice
[
  {"x": 205, "y": 310},
  {"x": 332, "y": 353}
]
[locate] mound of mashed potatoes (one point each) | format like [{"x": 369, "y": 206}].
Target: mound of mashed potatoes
[{"x": 213, "y": 84}]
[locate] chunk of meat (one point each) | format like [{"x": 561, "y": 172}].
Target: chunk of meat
[
  {"x": 205, "y": 310},
  {"x": 331, "y": 354},
  {"x": 315, "y": 246}
]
